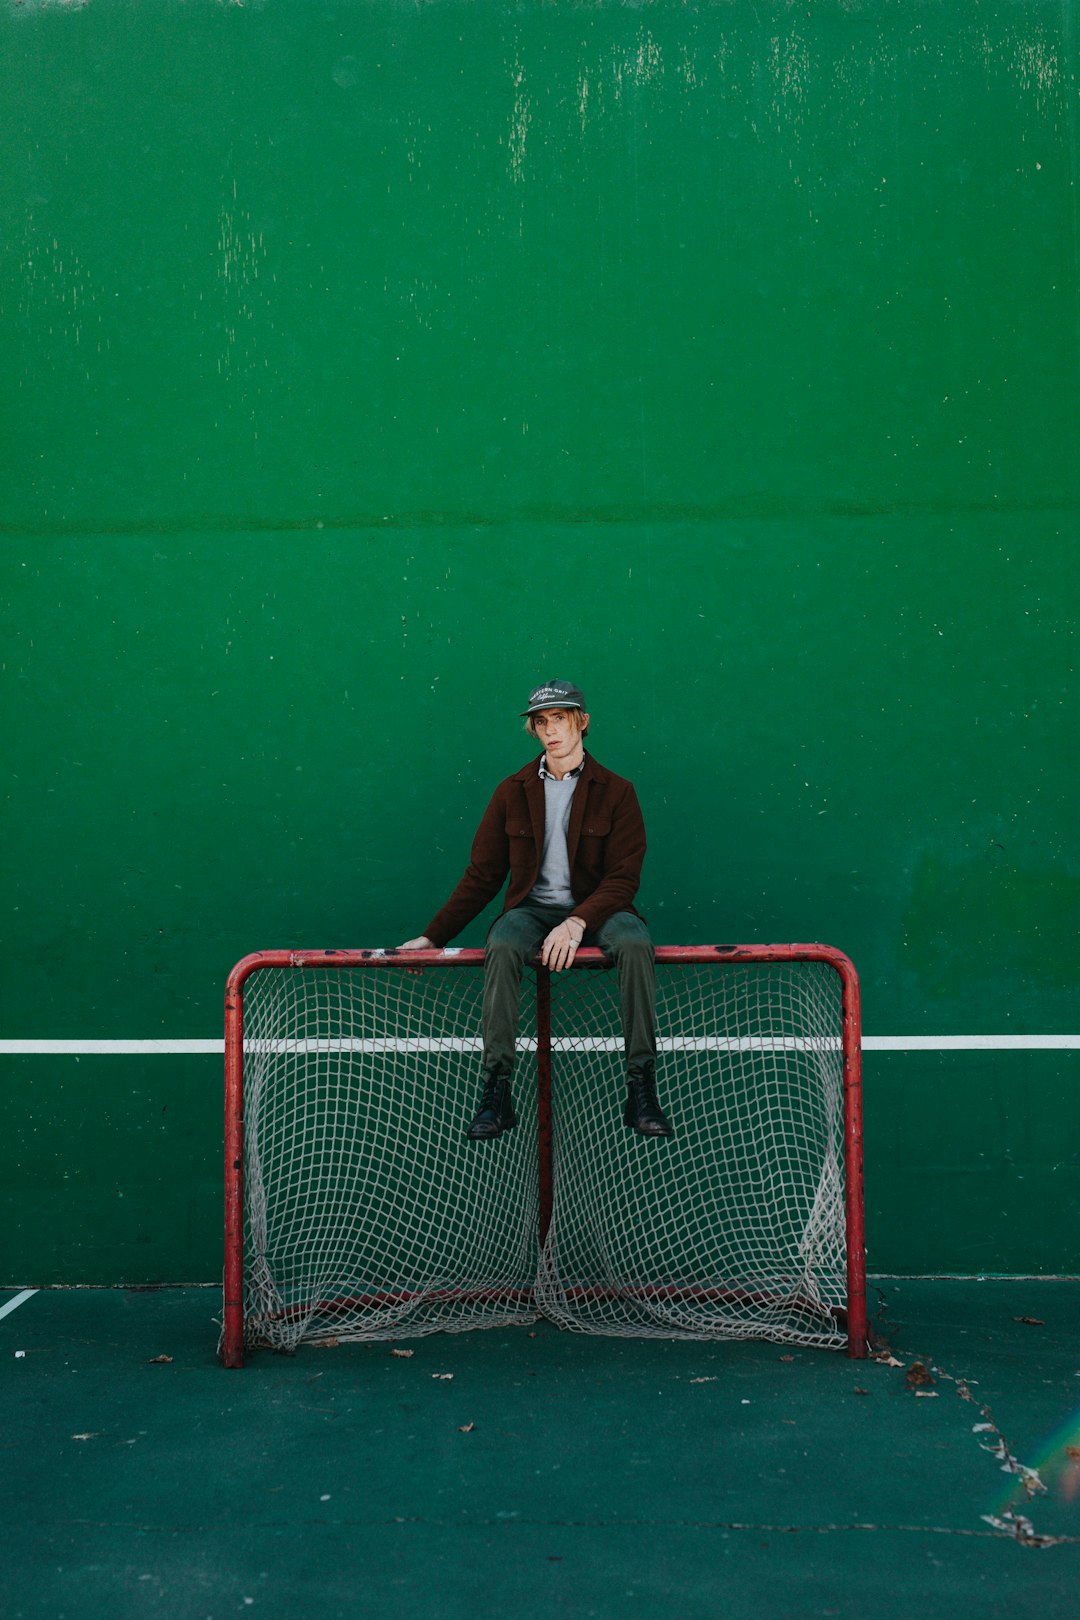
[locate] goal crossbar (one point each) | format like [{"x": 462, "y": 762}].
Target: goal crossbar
[{"x": 586, "y": 1277}]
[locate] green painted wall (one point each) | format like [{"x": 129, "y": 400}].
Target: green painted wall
[{"x": 366, "y": 363}]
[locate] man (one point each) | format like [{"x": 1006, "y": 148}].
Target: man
[{"x": 571, "y": 838}]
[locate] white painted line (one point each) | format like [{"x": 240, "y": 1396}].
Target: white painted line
[
  {"x": 466, "y": 1043},
  {"x": 971, "y": 1043},
  {"x": 95, "y": 1048},
  {"x": 20, "y": 1299}
]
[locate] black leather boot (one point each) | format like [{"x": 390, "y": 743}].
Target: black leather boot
[
  {"x": 496, "y": 1111},
  {"x": 643, "y": 1112}
]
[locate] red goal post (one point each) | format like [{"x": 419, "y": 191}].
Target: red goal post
[{"x": 354, "y": 1208}]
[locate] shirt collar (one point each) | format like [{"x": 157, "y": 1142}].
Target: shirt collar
[{"x": 546, "y": 775}]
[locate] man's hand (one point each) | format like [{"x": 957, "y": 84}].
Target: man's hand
[
  {"x": 421, "y": 943},
  {"x": 558, "y": 950}
]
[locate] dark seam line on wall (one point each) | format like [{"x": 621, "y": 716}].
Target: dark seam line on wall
[{"x": 736, "y": 510}]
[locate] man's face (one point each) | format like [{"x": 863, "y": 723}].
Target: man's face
[{"x": 557, "y": 730}]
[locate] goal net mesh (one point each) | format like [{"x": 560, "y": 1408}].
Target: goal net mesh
[
  {"x": 368, "y": 1215},
  {"x": 735, "y": 1226}
]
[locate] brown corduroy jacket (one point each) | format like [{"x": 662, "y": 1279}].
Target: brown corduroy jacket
[{"x": 605, "y": 842}]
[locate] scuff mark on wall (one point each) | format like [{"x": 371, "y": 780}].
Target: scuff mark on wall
[
  {"x": 520, "y": 119},
  {"x": 57, "y": 292},
  {"x": 583, "y": 97},
  {"x": 427, "y": 301},
  {"x": 49, "y": 5},
  {"x": 242, "y": 252},
  {"x": 641, "y": 64},
  {"x": 790, "y": 70},
  {"x": 687, "y": 67},
  {"x": 1039, "y": 69}
]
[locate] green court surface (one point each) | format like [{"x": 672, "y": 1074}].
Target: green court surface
[{"x": 549, "y": 1474}]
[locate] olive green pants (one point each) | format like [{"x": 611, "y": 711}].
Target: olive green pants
[{"x": 517, "y": 935}]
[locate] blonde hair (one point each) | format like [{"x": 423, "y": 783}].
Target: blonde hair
[{"x": 575, "y": 714}]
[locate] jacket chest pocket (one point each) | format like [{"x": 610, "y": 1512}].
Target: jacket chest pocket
[
  {"x": 519, "y": 835},
  {"x": 596, "y": 827}
]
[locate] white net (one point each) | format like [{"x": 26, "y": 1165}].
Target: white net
[
  {"x": 368, "y": 1215},
  {"x": 734, "y": 1227}
]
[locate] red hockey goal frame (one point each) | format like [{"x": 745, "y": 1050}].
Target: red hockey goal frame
[{"x": 232, "y": 1341}]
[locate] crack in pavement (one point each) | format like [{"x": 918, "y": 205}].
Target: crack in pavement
[
  {"x": 1016, "y": 1526},
  {"x": 513, "y": 1522}
]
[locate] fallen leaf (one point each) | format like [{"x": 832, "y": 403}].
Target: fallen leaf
[
  {"x": 1028, "y": 1477},
  {"x": 1014, "y": 1524},
  {"x": 84, "y": 1436},
  {"x": 889, "y": 1361},
  {"x": 787, "y": 1358},
  {"x": 918, "y": 1373},
  {"x": 466, "y": 1428},
  {"x": 442, "y": 1376},
  {"x": 1032, "y": 1321},
  {"x": 403, "y": 1354},
  {"x": 156, "y": 1360},
  {"x": 926, "y": 1394}
]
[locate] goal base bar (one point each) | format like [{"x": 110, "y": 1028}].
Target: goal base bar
[{"x": 259, "y": 1334}]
